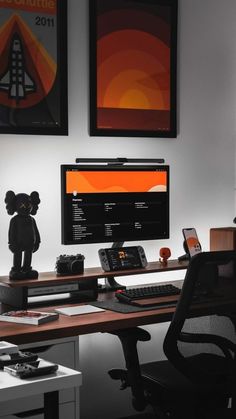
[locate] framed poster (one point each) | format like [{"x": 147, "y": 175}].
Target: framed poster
[
  {"x": 33, "y": 67},
  {"x": 133, "y": 67}
]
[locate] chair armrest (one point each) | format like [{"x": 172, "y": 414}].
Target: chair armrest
[
  {"x": 129, "y": 339},
  {"x": 224, "y": 344},
  {"x": 135, "y": 333}
]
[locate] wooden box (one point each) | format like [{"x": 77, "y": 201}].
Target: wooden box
[{"x": 223, "y": 238}]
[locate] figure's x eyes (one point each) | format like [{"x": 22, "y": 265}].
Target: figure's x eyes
[{"x": 25, "y": 206}]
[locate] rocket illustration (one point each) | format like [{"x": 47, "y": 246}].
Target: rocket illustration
[{"x": 16, "y": 81}]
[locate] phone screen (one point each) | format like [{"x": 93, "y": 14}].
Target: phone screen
[{"x": 192, "y": 242}]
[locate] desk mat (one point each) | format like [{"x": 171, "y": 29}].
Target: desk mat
[{"x": 114, "y": 305}]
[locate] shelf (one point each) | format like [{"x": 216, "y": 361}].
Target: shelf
[{"x": 46, "y": 278}]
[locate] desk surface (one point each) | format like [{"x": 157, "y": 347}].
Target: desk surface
[
  {"x": 105, "y": 321},
  {"x": 88, "y": 323},
  {"x": 67, "y": 326}
]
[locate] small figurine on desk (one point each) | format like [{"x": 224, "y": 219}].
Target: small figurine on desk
[
  {"x": 23, "y": 233},
  {"x": 165, "y": 254}
]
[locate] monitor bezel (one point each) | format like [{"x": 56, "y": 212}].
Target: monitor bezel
[{"x": 111, "y": 167}]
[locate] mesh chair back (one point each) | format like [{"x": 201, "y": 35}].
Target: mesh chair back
[{"x": 200, "y": 341}]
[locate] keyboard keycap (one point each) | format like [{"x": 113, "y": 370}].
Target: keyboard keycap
[{"x": 161, "y": 290}]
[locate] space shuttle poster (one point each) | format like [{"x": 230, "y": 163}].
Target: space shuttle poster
[{"x": 33, "y": 67}]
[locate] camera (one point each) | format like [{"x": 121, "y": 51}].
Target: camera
[{"x": 70, "y": 264}]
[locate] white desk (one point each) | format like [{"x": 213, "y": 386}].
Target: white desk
[{"x": 12, "y": 388}]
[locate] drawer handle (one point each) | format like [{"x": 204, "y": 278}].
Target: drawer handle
[
  {"x": 39, "y": 349},
  {"x": 30, "y": 413}
]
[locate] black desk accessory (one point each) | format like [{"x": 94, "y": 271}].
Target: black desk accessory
[
  {"x": 147, "y": 295},
  {"x": 10, "y": 354},
  {"x": 118, "y": 160},
  {"x": 49, "y": 290},
  {"x": 186, "y": 254},
  {"x": 70, "y": 265},
  {"x": 191, "y": 244},
  {"x": 117, "y": 306},
  {"x": 17, "y": 358},
  {"x": 31, "y": 369},
  {"x": 117, "y": 258},
  {"x": 24, "y": 236}
]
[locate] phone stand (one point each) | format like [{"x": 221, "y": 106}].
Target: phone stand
[{"x": 186, "y": 256}]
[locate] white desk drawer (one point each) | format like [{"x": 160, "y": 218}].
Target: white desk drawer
[
  {"x": 63, "y": 353},
  {"x": 59, "y": 353}
]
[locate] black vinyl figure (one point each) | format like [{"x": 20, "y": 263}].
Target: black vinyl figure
[{"x": 23, "y": 233}]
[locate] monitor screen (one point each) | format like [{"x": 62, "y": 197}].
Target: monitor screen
[{"x": 102, "y": 203}]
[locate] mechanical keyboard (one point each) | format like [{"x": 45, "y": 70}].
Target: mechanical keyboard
[{"x": 132, "y": 294}]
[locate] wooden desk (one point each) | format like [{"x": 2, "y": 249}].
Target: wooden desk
[
  {"x": 91, "y": 323},
  {"x": 81, "y": 287},
  {"x": 105, "y": 321},
  {"x": 78, "y": 325},
  {"x": 72, "y": 327}
]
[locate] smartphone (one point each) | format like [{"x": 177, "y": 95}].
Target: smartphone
[
  {"x": 31, "y": 369},
  {"x": 192, "y": 243}
]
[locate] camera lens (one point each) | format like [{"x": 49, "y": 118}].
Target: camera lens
[{"x": 75, "y": 266}]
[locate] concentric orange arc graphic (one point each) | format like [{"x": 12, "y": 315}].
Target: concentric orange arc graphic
[
  {"x": 109, "y": 182},
  {"x": 133, "y": 66},
  {"x": 132, "y": 76}
]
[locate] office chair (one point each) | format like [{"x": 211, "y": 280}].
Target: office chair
[{"x": 191, "y": 383}]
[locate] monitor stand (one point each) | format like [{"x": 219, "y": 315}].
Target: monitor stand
[{"x": 110, "y": 283}]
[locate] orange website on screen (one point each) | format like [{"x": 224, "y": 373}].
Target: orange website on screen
[{"x": 109, "y": 182}]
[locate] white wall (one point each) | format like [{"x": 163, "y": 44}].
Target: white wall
[{"x": 202, "y": 157}]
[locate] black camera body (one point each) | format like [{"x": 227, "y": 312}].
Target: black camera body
[{"x": 70, "y": 264}]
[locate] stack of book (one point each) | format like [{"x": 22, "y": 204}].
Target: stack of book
[{"x": 28, "y": 317}]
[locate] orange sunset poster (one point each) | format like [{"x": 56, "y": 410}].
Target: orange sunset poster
[{"x": 134, "y": 66}]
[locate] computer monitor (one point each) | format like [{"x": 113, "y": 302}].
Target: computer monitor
[{"x": 110, "y": 203}]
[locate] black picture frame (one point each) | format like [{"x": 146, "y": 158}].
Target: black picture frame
[
  {"x": 107, "y": 18},
  {"x": 33, "y": 68}
]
